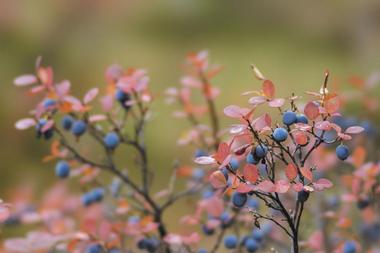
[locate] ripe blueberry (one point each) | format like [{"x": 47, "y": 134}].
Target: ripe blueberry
[
  {"x": 94, "y": 248},
  {"x": 207, "y": 230},
  {"x": 303, "y": 196},
  {"x": 67, "y": 122},
  {"x": 289, "y": 118},
  {"x": 239, "y": 199},
  {"x": 62, "y": 169},
  {"x": 253, "y": 203},
  {"x": 230, "y": 241},
  {"x": 252, "y": 159},
  {"x": 49, "y": 103},
  {"x": 251, "y": 245},
  {"x": 258, "y": 235},
  {"x": 302, "y": 119},
  {"x": 342, "y": 152},
  {"x": 79, "y": 127},
  {"x": 261, "y": 150},
  {"x": 111, "y": 140},
  {"x": 349, "y": 247},
  {"x": 234, "y": 163},
  {"x": 202, "y": 251},
  {"x": 280, "y": 134},
  {"x": 122, "y": 97}
]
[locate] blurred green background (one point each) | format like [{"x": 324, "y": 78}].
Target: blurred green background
[{"x": 292, "y": 42}]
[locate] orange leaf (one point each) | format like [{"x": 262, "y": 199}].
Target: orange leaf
[
  {"x": 311, "y": 110},
  {"x": 251, "y": 173},
  {"x": 268, "y": 89},
  {"x": 306, "y": 172},
  {"x": 291, "y": 171},
  {"x": 217, "y": 179},
  {"x": 358, "y": 156}
]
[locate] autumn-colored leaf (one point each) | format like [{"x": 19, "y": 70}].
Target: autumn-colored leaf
[
  {"x": 354, "y": 130},
  {"x": 90, "y": 95},
  {"x": 218, "y": 180},
  {"x": 266, "y": 186},
  {"x": 322, "y": 184},
  {"x": 291, "y": 171},
  {"x": 269, "y": 89},
  {"x": 358, "y": 156},
  {"x": 306, "y": 172},
  {"x": 300, "y": 138},
  {"x": 251, "y": 173},
  {"x": 282, "y": 186},
  {"x": 223, "y": 152},
  {"x": 235, "y": 111},
  {"x": 205, "y": 160},
  {"x": 311, "y": 110},
  {"x": 23, "y": 124}
]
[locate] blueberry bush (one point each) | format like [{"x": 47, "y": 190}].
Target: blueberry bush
[{"x": 253, "y": 181}]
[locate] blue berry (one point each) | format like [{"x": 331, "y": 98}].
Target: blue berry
[
  {"x": 97, "y": 194},
  {"x": 86, "y": 199},
  {"x": 280, "y": 134},
  {"x": 252, "y": 159},
  {"x": 202, "y": 251},
  {"x": 342, "y": 152},
  {"x": 258, "y": 235},
  {"x": 199, "y": 153},
  {"x": 49, "y": 103},
  {"x": 302, "y": 196},
  {"x": 94, "y": 248},
  {"x": 289, "y": 118},
  {"x": 226, "y": 220},
  {"x": 239, "y": 199},
  {"x": 253, "y": 203},
  {"x": 152, "y": 244},
  {"x": 225, "y": 172},
  {"x": 47, "y": 134},
  {"x": 114, "y": 250},
  {"x": 349, "y": 247},
  {"x": 197, "y": 174},
  {"x": 251, "y": 245},
  {"x": 111, "y": 140},
  {"x": 230, "y": 241},
  {"x": 67, "y": 122},
  {"x": 62, "y": 169},
  {"x": 207, "y": 230},
  {"x": 302, "y": 119},
  {"x": 261, "y": 150},
  {"x": 122, "y": 97},
  {"x": 234, "y": 163},
  {"x": 78, "y": 128}
]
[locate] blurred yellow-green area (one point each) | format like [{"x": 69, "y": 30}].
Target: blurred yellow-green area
[{"x": 292, "y": 42}]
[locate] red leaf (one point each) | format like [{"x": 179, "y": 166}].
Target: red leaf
[
  {"x": 291, "y": 171},
  {"x": 251, "y": 173},
  {"x": 332, "y": 105},
  {"x": 300, "y": 138},
  {"x": 298, "y": 187},
  {"x": 218, "y": 180},
  {"x": 215, "y": 206},
  {"x": 306, "y": 172},
  {"x": 311, "y": 110},
  {"x": 323, "y": 125},
  {"x": 354, "y": 130},
  {"x": 266, "y": 186},
  {"x": 223, "y": 152},
  {"x": 268, "y": 89},
  {"x": 262, "y": 122},
  {"x": 282, "y": 186}
]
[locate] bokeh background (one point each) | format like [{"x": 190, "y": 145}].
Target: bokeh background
[{"x": 293, "y": 42}]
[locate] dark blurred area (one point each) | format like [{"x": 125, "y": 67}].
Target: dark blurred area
[{"x": 292, "y": 42}]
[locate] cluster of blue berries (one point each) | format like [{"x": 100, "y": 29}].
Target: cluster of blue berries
[
  {"x": 290, "y": 118},
  {"x": 77, "y": 127},
  {"x": 93, "y": 196},
  {"x": 251, "y": 242}
]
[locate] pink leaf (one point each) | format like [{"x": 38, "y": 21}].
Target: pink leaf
[
  {"x": 245, "y": 188},
  {"x": 63, "y": 88},
  {"x": 47, "y": 126},
  {"x": 323, "y": 125},
  {"x": 298, "y": 187},
  {"x": 257, "y": 100},
  {"x": 322, "y": 184},
  {"x": 251, "y": 173},
  {"x": 205, "y": 160},
  {"x": 97, "y": 117},
  {"x": 223, "y": 152},
  {"x": 215, "y": 206},
  {"x": 345, "y": 137},
  {"x": 300, "y": 138},
  {"x": 282, "y": 186},
  {"x": 354, "y": 130},
  {"x": 311, "y": 110},
  {"x": 268, "y": 89},
  {"x": 107, "y": 103},
  {"x": 277, "y": 102},
  {"x": 4, "y": 212},
  {"x": 23, "y": 124},
  {"x": 90, "y": 95},
  {"x": 266, "y": 186},
  {"x": 25, "y": 80},
  {"x": 235, "y": 111},
  {"x": 262, "y": 122}
]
